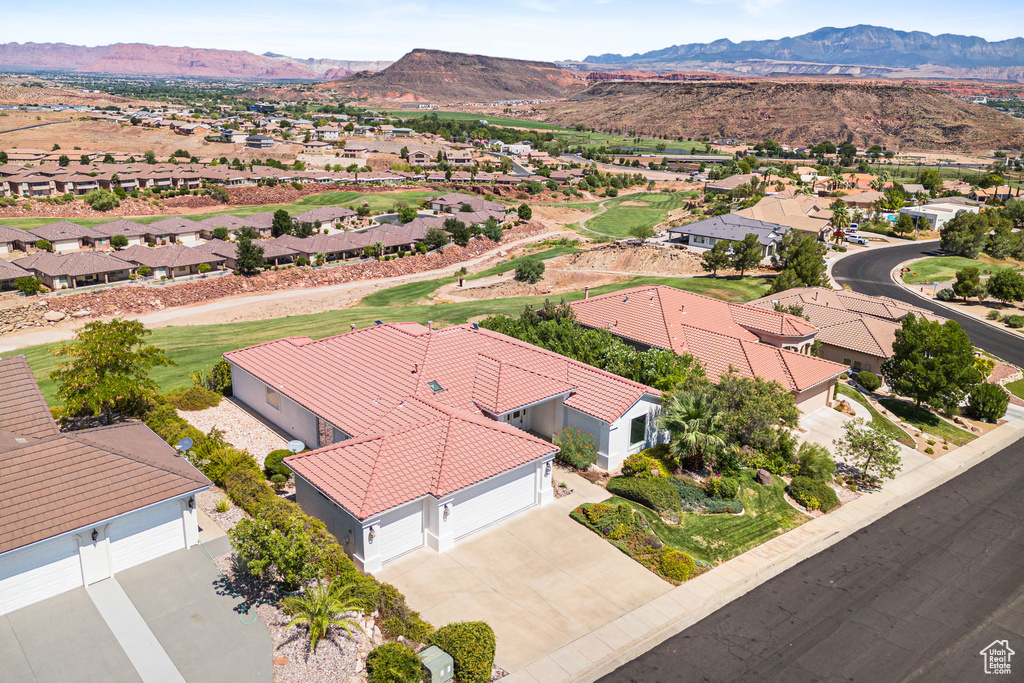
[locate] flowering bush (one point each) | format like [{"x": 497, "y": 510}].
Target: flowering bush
[{"x": 576, "y": 448}]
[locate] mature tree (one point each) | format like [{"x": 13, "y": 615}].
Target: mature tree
[
  {"x": 746, "y": 253},
  {"x": 755, "y": 410},
  {"x": 436, "y": 238},
  {"x": 220, "y": 233},
  {"x": 108, "y": 370},
  {"x": 904, "y": 224},
  {"x": 716, "y": 258},
  {"x": 407, "y": 213},
  {"x": 321, "y": 606},
  {"x": 932, "y": 363},
  {"x": 988, "y": 402},
  {"x": 1006, "y": 285},
  {"x": 529, "y": 269},
  {"x": 965, "y": 235},
  {"x": 1013, "y": 209},
  {"x": 1003, "y": 240},
  {"x": 28, "y": 285},
  {"x": 840, "y": 219},
  {"x": 931, "y": 179},
  {"x": 304, "y": 229},
  {"x": 801, "y": 258},
  {"x": 696, "y": 427},
  {"x": 64, "y": 160},
  {"x": 3, "y": 157},
  {"x": 118, "y": 241},
  {"x": 875, "y": 453},
  {"x": 84, "y": 160},
  {"x": 968, "y": 284},
  {"x": 282, "y": 223},
  {"x": 249, "y": 256},
  {"x": 525, "y": 212},
  {"x": 492, "y": 230},
  {"x": 642, "y": 232},
  {"x": 288, "y": 554}
]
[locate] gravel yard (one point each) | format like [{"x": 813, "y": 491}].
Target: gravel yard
[{"x": 241, "y": 429}]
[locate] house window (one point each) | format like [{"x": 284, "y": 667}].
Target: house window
[
  {"x": 847, "y": 361},
  {"x": 273, "y": 398},
  {"x": 856, "y": 365},
  {"x": 435, "y": 386},
  {"x": 638, "y": 430}
]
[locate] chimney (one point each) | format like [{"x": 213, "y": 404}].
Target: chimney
[{"x": 586, "y": 292}]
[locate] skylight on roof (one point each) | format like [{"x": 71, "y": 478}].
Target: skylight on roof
[{"x": 433, "y": 384}]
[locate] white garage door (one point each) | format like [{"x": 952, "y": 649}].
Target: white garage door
[
  {"x": 400, "y": 531},
  {"x": 146, "y": 534},
  {"x": 38, "y": 572},
  {"x": 490, "y": 501}
]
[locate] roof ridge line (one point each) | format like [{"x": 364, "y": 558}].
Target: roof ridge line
[{"x": 118, "y": 452}]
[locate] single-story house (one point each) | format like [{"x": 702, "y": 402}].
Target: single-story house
[
  {"x": 454, "y": 201},
  {"x": 723, "y": 336},
  {"x": 81, "y": 506},
  {"x": 729, "y": 227},
  {"x": 9, "y": 273},
  {"x": 854, "y": 329},
  {"x": 66, "y": 236},
  {"x": 808, "y": 214},
  {"x": 135, "y": 232},
  {"x": 274, "y": 252},
  {"x": 731, "y": 183},
  {"x": 935, "y": 216},
  {"x": 14, "y": 239},
  {"x": 175, "y": 260},
  {"x": 175, "y": 230},
  {"x": 232, "y": 223},
  {"x": 444, "y": 433},
  {"x": 80, "y": 269},
  {"x": 327, "y": 215}
]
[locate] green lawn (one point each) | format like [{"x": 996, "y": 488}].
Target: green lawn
[
  {"x": 195, "y": 347},
  {"x": 927, "y": 421},
  {"x": 617, "y": 220},
  {"x": 377, "y": 202},
  {"x": 942, "y": 268},
  {"x": 1016, "y": 388},
  {"x": 511, "y": 264},
  {"x": 878, "y": 421},
  {"x": 717, "y": 538},
  {"x": 500, "y": 121}
]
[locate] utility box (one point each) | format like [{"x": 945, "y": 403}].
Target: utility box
[{"x": 439, "y": 663}]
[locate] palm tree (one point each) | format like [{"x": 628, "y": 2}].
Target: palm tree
[
  {"x": 696, "y": 425},
  {"x": 319, "y": 608}
]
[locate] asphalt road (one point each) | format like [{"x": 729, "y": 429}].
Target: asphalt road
[
  {"x": 915, "y": 596},
  {"x": 867, "y": 272}
]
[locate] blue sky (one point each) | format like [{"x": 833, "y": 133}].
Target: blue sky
[{"x": 530, "y": 29}]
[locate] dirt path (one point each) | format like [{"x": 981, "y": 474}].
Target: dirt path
[
  {"x": 273, "y": 304},
  {"x": 603, "y": 206}
]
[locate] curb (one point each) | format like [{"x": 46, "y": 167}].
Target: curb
[
  {"x": 824, "y": 533},
  {"x": 832, "y": 262}
]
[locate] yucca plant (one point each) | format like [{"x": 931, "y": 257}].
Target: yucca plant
[{"x": 320, "y": 607}]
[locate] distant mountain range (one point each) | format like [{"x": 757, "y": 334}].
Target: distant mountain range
[
  {"x": 858, "y": 50},
  {"x": 141, "y": 59}
]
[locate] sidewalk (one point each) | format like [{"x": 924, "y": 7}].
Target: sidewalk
[{"x": 645, "y": 627}]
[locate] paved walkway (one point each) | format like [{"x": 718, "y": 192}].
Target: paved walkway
[
  {"x": 650, "y": 624},
  {"x": 132, "y": 634}
]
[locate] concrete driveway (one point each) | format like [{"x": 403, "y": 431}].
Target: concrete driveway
[
  {"x": 539, "y": 579},
  {"x": 198, "y": 631},
  {"x": 822, "y": 426}
]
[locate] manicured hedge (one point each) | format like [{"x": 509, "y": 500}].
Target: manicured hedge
[
  {"x": 813, "y": 494},
  {"x": 471, "y": 644},
  {"x": 656, "y": 493},
  {"x": 676, "y": 565},
  {"x": 722, "y": 488},
  {"x": 869, "y": 381},
  {"x": 394, "y": 663}
]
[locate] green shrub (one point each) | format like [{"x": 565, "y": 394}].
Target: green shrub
[
  {"x": 289, "y": 555},
  {"x": 194, "y": 398},
  {"x": 1014, "y": 321},
  {"x": 611, "y": 521},
  {"x": 930, "y": 450},
  {"x": 28, "y": 285},
  {"x": 143, "y": 271},
  {"x": 274, "y": 463},
  {"x": 219, "y": 459},
  {"x": 101, "y": 200},
  {"x": 471, "y": 644},
  {"x": 691, "y": 496},
  {"x": 638, "y": 465},
  {"x": 576, "y": 448},
  {"x": 869, "y": 381},
  {"x": 987, "y": 402},
  {"x": 993, "y": 315},
  {"x": 529, "y": 269},
  {"x": 676, "y": 566},
  {"x": 815, "y": 462},
  {"x": 216, "y": 378},
  {"x": 723, "y": 488},
  {"x": 946, "y": 294},
  {"x": 393, "y": 663},
  {"x": 813, "y": 494},
  {"x": 397, "y": 619},
  {"x": 656, "y": 493}
]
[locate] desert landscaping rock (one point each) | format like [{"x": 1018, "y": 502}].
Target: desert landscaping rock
[
  {"x": 241, "y": 429},
  {"x": 764, "y": 477}
]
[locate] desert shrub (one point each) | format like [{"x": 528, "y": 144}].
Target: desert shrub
[
  {"x": 676, "y": 565},
  {"x": 638, "y": 465},
  {"x": 813, "y": 494},
  {"x": 393, "y": 663},
  {"x": 219, "y": 459},
  {"x": 1014, "y": 321},
  {"x": 101, "y": 200},
  {"x": 471, "y": 644},
  {"x": 529, "y": 270},
  {"x": 930, "y": 450},
  {"x": 397, "y": 618},
  {"x": 723, "y": 488},
  {"x": 815, "y": 462},
  {"x": 993, "y": 315},
  {"x": 215, "y": 378},
  {"x": 656, "y": 493},
  {"x": 274, "y": 463},
  {"x": 946, "y": 294},
  {"x": 194, "y": 398},
  {"x": 576, "y": 448},
  {"x": 987, "y": 402},
  {"x": 869, "y": 381}
]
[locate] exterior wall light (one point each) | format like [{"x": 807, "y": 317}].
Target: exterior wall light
[
  {"x": 547, "y": 469},
  {"x": 95, "y": 535},
  {"x": 371, "y": 535},
  {"x": 447, "y": 511}
]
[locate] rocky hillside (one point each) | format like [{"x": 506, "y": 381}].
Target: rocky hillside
[
  {"x": 141, "y": 59},
  {"x": 856, "y": 50},
  {"x": 444, "y": 77},
  {"x": 897, "y": 116}
]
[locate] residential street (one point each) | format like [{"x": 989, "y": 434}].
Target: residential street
[
  {"x": 914, "y": 596},
  {"x": 868, "y": 272}
]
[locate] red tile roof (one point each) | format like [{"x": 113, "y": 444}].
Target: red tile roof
[{"x": 716, "y": 333}]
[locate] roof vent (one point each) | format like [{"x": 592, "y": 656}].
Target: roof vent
[
  {"x": 430, "y": 325},
  {"x": 352, "y": 327},
  {"x": 378, "y": 322},
  {"x": 626, "y": 300},
  {"x": 415, "y": 367}
]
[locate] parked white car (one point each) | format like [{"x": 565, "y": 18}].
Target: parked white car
[{"x": 856, "y": 239}]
